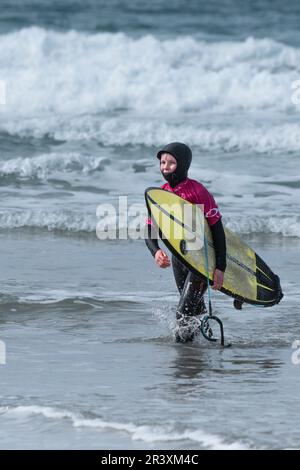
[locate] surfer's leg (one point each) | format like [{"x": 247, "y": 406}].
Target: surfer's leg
[
  {"x": 191, "y": 304},
  {"x": 191, "y": 301},
  {"x": 180, "y": 273}
]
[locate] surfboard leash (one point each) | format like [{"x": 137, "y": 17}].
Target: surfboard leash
[{"x": 205, "y": 326}]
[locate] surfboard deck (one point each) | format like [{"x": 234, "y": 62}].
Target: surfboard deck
[{"x": 247, "y": 277}]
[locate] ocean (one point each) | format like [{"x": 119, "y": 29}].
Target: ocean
[{"x": 89, "y": 91}]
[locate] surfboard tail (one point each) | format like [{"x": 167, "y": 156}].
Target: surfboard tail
[{"x": 268, "y": 284}]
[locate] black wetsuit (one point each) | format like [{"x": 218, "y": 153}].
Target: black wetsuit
[{"x": 190, "y": 286}]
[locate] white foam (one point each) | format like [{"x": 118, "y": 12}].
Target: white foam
[
  {"x": 248, "y": 135},
  {"x": 287, "y": 226},
  {"x": 71, "y": 86},
  {"x": 57, "y": 220},
  {"x": 74, "y": 222},
  {"x": 146, "y": 433},
  {"x": 74, "y": 71},
  {"x": 58, "y": 295},
  {"x": 44, "y": 165}
]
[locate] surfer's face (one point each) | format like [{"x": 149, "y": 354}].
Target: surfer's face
[{"x": 168, "y": 163}]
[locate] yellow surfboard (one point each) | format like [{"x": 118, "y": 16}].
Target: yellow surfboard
[{"x": 247, "y": 277}]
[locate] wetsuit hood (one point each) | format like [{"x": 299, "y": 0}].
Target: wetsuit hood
[{"x": 183, "y": 155}]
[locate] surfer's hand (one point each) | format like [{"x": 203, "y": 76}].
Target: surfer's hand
[
  {"x": 218, "y": 279},
  {"x": 161, "y": 259}
]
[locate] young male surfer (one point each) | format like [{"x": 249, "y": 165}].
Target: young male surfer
[{"x": 175, "y": 159}]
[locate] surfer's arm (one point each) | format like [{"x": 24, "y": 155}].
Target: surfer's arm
[
  {"x": 161, "y": 258},
  {"x": 219, "y": 241},
  {"x": 150, "y": 240}
]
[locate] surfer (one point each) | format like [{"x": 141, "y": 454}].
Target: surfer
[{"x": 175, "y": 159}]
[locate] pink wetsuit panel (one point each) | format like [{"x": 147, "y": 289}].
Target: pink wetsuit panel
[{"x": 196, "y": 193}]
